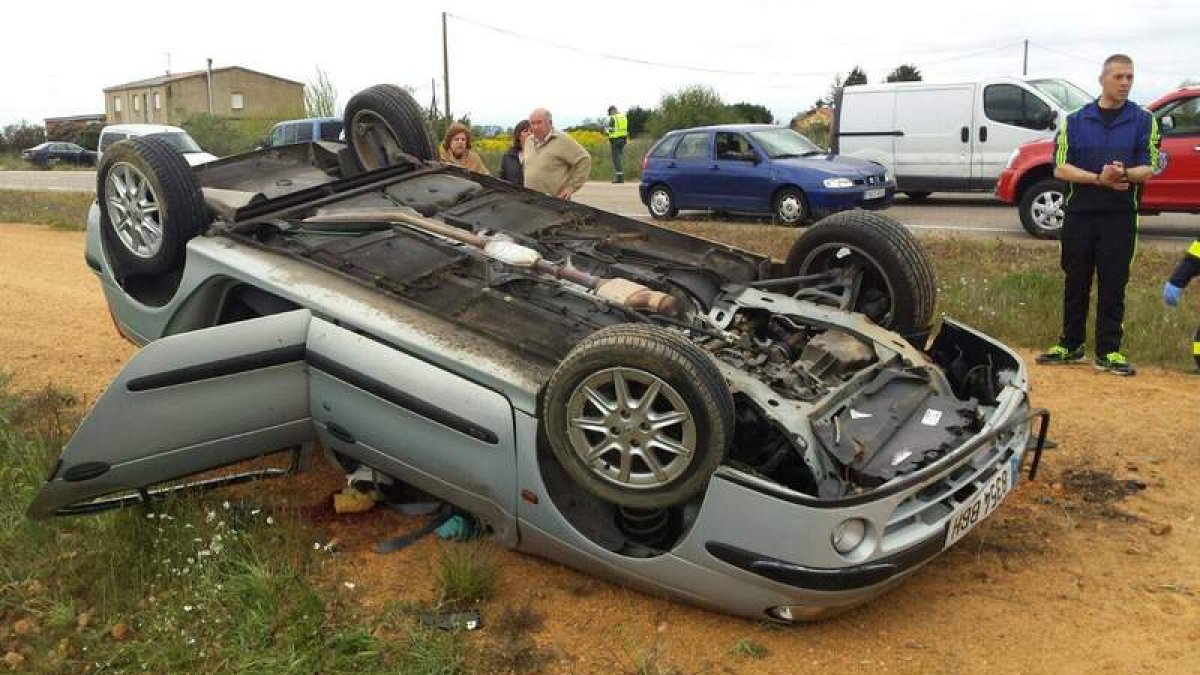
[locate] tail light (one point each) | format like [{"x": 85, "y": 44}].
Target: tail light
[{"x": 645, "y": 161}]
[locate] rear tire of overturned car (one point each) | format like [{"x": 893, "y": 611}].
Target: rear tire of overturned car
[
  {"x": 638, "y": 416},
  {"x": 1041, "y": 208},
  {"x": 383, "y": 122},
  {"x": 150, "y": 205},
  {"x": 898, "y": 286}
]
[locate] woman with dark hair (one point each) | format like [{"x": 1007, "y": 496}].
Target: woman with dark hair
[
  {"x": 456, "y": 149},
  {"x": 512, "y": 164}
]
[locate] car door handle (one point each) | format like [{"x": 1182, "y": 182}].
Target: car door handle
[
  {"x": 965, "y": 133},
  {"x": 671, "y": 165},
  {"x": 1197, "y": 148},
  {"x": 983, "y": 134},
  {"x": 714, "y": 167}
]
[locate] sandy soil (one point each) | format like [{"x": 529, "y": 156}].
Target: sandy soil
[{"x": 1071, "y": 575}]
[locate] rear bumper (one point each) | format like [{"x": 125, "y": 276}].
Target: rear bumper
[{"x": 1006, "y": 186}]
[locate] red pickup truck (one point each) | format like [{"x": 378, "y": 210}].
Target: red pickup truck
[{"x": 1028, "y": 179}]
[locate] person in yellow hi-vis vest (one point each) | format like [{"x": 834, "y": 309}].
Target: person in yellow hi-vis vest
[
  {"x": 1187, "y": 268},
  {"x": 617, "y": 128}
]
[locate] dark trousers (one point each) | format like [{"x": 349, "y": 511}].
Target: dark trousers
[
  {"x": 618, "y": 150},
  {"x": 1100, "y": 244}
]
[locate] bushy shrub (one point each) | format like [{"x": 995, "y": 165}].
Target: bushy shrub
[
  {"x": 692, "y": 106},
  {"x": 17, "y": 137}
]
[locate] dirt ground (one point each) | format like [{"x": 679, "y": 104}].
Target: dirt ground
[{"x": 1093, "y": 568}]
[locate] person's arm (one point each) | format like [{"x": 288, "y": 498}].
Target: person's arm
[
  {"x": 1146, "y": 153},
  {"x": 1188, "y": 268},
  {"x": 580, "y": 161},
  {"x": 1109, "y": 177}
]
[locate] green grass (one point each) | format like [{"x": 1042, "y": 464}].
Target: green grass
[
  {"x": 747, "y": 648},
  {"x": 466, "y": 574},
  {"x": 61, "y": 210},
  {"x": 184, "y": 586},
  {"x": 1012, "y": 289}
]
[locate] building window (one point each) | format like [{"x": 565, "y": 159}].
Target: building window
[
  {"x": 117, "y": 104},
  {"x": 157, "y": 101},
  {"x": 236, "y": 102},
  {"x": 137, "y": 103}
]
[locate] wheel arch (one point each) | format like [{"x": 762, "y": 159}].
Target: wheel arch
[{"x": 1032, "y": 177}]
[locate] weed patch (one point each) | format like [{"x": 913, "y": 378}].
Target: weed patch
[{"x": 61, "y": 210}]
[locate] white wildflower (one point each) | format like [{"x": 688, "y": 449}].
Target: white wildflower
[
  {"x": 225, "y": 505},
  {"x": 270, "y": 520}
]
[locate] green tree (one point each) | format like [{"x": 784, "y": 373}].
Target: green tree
[
  {"x": 905, "y": 73},
  {"x": 857, "y": 76},
  {"x": 691, "y": 106},
  {"x": 320, "y": 97},
  {"x": 21, "y": 135},
  {"x": 638, "y": 118},
  {"x": 752, "y": 113}
]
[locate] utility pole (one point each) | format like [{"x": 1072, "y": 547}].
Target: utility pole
[
  {"x": 1025, "y": 63},
  {"x": 445, "y": 68}
]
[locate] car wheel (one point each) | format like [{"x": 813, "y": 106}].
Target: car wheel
[
  {"x": 382, "y": 124},
  {"x": 151, "y": 205},
  {"x": 638, "y": 416},
  {"x": 896, "y": 287},
  {"x": 1041, "y": 208},
  {"x": 661, "y": 203},
  {"x": 917, "y": 197},
  {"x": 790, "y": 207}
]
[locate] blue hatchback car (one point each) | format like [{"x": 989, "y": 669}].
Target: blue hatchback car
[{"x": 757, "y": 168}]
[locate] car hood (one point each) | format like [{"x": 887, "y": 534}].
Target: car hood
[{"x": 839, "y": 165}]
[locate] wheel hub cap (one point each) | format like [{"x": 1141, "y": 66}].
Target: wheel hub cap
[
  {"x": 1048, "y": 210},
  {"x": 133, "y": 208},
  {"x": 660, "y": 202},
  {"x": 631, "y": 428}
]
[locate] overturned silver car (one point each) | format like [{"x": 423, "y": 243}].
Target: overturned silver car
[{"x": 774, "y": 440}]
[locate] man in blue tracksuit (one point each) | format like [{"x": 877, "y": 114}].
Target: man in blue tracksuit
[
  {"x": 1187, "y": 268},
  {"x": 1104, "y": 151}
]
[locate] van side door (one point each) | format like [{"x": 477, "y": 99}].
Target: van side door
[
  {"x": 1010, "y": 115},
  {"x": 934, "y": 149}
]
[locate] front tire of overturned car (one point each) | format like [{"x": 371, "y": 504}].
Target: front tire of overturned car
[
  {"x": 638, "y": 416},
  {"x": 1041, "y": 208},
  {"x": 150, "y": 205},
  {"x": 898, "y": 288},
  {"x": 790, "y": 207}
]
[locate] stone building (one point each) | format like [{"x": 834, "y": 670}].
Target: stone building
[{"x": 232, "y": 91}]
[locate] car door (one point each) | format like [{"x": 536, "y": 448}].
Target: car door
[
  {"x": 186, "y": 404},
  {"x": 933, "y": 150},
  {"x": 1177, "y": 183},
  {"x": 689, "y": 167},
  {"x": 1012, "y": 115},
  {"x": 738, "y": 179},
  {"x": 413, "y": 420}
]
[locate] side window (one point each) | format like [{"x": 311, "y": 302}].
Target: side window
[
  {"x": 693, "y": 146},
  {"x": 732, "y": 146},
  {"x": 1184, "y": 118},
  {"x": 289, "y": 133},
  {"x": 330, "y": 131},
  {"x": 666, "y": 146},
  {"x": 304, "y": 132},
  {"x": 1010, "y": 104},
  {"x": 109, "y": 139}
]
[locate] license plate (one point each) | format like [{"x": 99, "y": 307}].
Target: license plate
[
  {"x": 874, "y": 193},
  {"x": 981, "y": 505}
]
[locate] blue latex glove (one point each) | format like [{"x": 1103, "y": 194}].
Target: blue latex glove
[
  {"x": 457, "y": 528},
  {"x": 1171, "y": 294}
]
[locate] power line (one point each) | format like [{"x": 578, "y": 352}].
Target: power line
[{"x": 1095, "y": 60}]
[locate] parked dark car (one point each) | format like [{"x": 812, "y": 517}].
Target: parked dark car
[
  {"x": 761, "y": 169},
  {"x": 48, "y": 154}
]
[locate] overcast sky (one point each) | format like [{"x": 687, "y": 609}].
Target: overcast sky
[{"x": 58, "y": 56}]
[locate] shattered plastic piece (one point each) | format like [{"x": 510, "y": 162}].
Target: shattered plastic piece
[
  {"x": 468, "y": 620},
  {"x": 350, "y": 500}
]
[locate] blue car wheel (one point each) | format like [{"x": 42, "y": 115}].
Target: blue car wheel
[
  {"x": 790, "y": 207},
  {"x": 661, "y": 203}
]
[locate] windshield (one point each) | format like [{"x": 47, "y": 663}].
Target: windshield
[
  {"x": 1068, "y": 96},
  {"x": 179, "y": 140},
  {"x": 782, "y": 142}
]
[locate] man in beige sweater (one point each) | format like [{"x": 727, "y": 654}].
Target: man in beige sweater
[{"x": 555, "y": 163}]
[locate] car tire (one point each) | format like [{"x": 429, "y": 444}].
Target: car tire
[
  {"x": 598, "y": 421},
  {"x": 150, "y": 205},
  {"x": 898, "y": 288},
  {"x": 660, "y": 202},
  {"x": 383, "y": 122},
  {"x": 1041, "y": 208},
  {"x": 790, "y": 207},
  {"x": 917, "y": 197}
]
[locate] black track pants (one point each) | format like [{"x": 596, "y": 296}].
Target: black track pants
[{"x": 1099, "y": 244}]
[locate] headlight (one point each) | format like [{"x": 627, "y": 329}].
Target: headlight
[
  {"x": 838, "y": 183},
  {"x": 1012, "y": 158},
  {"x": 887, "y": 177},
  {"x": 848, "y": 535}
]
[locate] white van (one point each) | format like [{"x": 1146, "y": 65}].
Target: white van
[
  {"x": 177, "y": 137},
  {"x": 948, "y": 137}
]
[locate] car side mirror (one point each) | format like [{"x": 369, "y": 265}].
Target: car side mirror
[{"x": 1166, "y": 122}]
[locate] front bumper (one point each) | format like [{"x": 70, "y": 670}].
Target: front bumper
[{"x": 827, "y": 201}]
